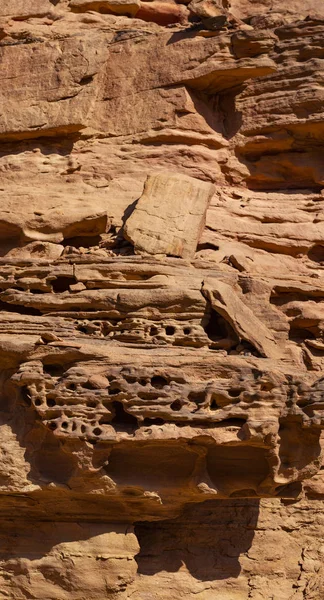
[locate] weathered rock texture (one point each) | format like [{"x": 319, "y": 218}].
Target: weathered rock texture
[{"x": 161, "y": 296}]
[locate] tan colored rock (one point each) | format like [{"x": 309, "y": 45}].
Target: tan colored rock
[
  {"x": 37, "y": 249},
  {"x": 162, "y": 13},
  {"x": 241, "y": 548},
  {"x": 49, "y": 220},
  {"x": 119, "y": 7},
  {"x": 25, "y": 8},
  {"x": 62, "y": 103},
  {"x": 181, "y": 391},
  {"x": 258, "y": 549},
  {"x": 207, "y": 9},
  {"x": 95, "y": 558},
  {"x": 296, "y": 9},
  {"x": 169, "y": 216},
  {"x": 250, "y": 43},
  {"x": 240, "y": 317}
]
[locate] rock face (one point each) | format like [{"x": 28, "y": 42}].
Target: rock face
[
  {"x": 170, "y": 215},
  {"x": 161, "y": 296}
]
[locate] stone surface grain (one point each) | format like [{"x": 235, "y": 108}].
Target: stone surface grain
[{"x": 161, "y": 296}]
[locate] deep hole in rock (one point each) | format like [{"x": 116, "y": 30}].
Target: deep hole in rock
[
  {"x": 176, "y": 405},
  {"x": 8, "y": 243},
  {"x": 53, "y": 370},
  {"x": 62, "y": 283},
  {"x": 217, "y": 328},
  {"x": 234, "y": 392},
  {"x": 169, "y": 330},
  {"x": 233, "y": 422},
  {"x": 71, "y": 386},
  {"x": 97, "y": 431},
  {"x": 113, "y": 391},
  {"x": 316, "y": 253},
  {"x": 153, "y": 421},
  {"x": 121, "y": 416},
  {"x": 158, "y": 382},
  {"x": 82, "y": 329},
  {"x": 220, "y": 399},
  {"x": 26, "y": 396},
  {"x": 148, "y": 395},
  {"x": 197, "y": 397},
  {"x": 256, "y": 373},
  {"x": 85, "y": 80},
  {"x": 82, "y": 241},
  {"x": 207, "y": 246},
  {"x": 299, "y": 334},
  {"x": 34, "y": 291},
  {"x": 248, "y": 348},
  {"x": 187, "y": 330},
  {"x": 22, "y": 310},
  {"x": 92, "y": 404}
]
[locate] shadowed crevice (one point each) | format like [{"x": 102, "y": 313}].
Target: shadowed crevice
[{"x": 207, "y": 539}]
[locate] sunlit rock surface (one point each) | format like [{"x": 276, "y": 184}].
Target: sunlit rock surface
[{"x": 161, "y": 295}]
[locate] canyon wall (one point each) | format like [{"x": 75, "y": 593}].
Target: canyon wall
[{"x": 161, "y": 296}]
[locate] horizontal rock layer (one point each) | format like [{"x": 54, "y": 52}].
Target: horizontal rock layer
[{"x": 161, "y": 296}]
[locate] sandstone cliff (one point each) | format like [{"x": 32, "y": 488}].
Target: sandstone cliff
[{"x": 161, "y": 295}]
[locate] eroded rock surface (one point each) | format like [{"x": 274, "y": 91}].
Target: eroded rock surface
[{"x": 161, "y": 295}]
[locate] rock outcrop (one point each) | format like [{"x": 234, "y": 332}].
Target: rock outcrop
[{"x": 161, "y": 295}]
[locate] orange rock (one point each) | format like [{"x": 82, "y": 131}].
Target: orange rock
[
  {"x": 162, "y": 13},
  {"x": 161, "y": 296}
]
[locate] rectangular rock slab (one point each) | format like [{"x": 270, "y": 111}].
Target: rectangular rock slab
[{"x": 169, "y": 216}]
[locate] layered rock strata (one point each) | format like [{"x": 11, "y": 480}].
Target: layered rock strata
[{"x": 161, "y": 295}]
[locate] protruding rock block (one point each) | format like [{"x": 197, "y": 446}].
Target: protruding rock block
[
  {"x": 240, "y": 317},
  {"x": 169, "y": 216},
  {"x": 162, "y": 13},
  {"x": 118, "y": 7},
  {"x": 230, "y": 425},
  {"x": 207, "y": 9}
]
